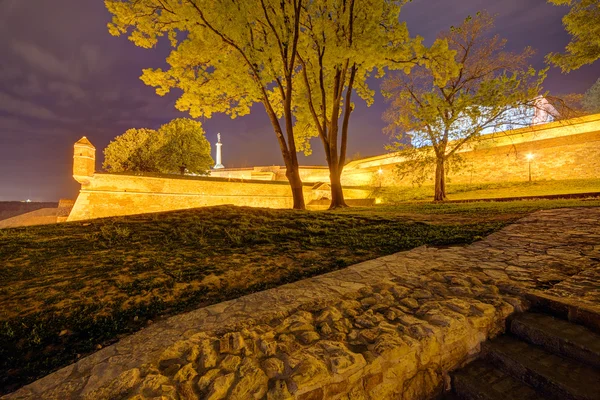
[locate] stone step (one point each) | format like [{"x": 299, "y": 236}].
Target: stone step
[
  {"x": 571, "y": 310},
  {"x": 554, "y": 376},
  {"x": 558, "y": 336},
  {"x": 482, "y": 381}
]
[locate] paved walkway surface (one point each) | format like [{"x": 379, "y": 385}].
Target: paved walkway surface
[{"x": 395, "y": 324}]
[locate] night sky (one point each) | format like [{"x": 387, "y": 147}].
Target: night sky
[{"x": 63, "y": 76}]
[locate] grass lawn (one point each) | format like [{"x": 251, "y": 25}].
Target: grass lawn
[
  {"x": 67, "y": 289},
  {"x": 490, "y": 190}
]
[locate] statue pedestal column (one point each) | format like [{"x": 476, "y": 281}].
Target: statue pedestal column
[{"x": 218, "y": 165}]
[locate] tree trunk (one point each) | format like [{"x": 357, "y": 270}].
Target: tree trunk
[
  {"x": 337, "y": 194},
  {"x": 440, "y": 181},
  {"x": 290, "y": 157},
  {"x": 182, "y": 169},
  {"x": 293, "y": 175}
]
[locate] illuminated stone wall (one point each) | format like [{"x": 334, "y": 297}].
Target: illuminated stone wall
[
  {"x": 562, "y": 150},
  {"x": 105, "y": 195}
]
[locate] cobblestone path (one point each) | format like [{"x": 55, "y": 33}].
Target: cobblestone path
[{"x": 387, "y": 328}]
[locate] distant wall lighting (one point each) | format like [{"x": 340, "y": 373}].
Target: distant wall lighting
[
  {"x": 529, "y": 157},
  {"x": 380, "y": 171}
]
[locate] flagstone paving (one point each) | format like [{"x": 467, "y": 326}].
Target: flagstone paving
[{"x": 392, "y": 327}]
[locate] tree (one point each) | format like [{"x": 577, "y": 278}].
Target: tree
[
  {"x": 133, "y": 151},
  {"x": 566, "y": 106},
  {"x": 591, "y": 98},
  {"x": 184, "y": 147},
  {"x": 490, "y": 90},
  {"x": 582, "y": 22},
  {"x": 227, "y": 55},
  {"x": 341, "y": 44}
]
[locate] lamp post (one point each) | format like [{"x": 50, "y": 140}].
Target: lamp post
[
  {"x": 529, "y": 157},
  {"x": 380, "y": 172}
]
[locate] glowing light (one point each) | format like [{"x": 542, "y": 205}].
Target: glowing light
[
  {"x": 380, "y": 171},
  {"x": 529, "y": 157},
  {"x": 377, "y": 201}
]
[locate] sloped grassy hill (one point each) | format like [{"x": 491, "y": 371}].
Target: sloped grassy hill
[{"x": 68, "y": 289}]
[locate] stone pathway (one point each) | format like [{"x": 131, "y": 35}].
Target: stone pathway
[{"x": 387, "y": 328}]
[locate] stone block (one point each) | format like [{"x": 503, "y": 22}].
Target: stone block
[
  {"x": 220, "y": 386},
  {"x": 371, "y": 381}
]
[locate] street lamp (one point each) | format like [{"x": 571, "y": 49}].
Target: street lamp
[
  {"x": 380, "y": 172},
  {"x": 529, "y": 157}
]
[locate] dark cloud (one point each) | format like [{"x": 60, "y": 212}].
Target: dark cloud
[
  {"x": 63, "y": 76},
  {"x": 14, "y": 106}
]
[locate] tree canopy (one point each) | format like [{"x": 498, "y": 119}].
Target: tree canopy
[
  {"x": 134, "y": 151},
  {"x": 184, "y": 147},
  {"x": 178, "y": 146},
  {"x": 582, "y": 22},
  {"x": 591, "y": 98},
  {"x": 431, "y": 119}
]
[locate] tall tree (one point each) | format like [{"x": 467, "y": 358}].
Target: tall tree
[
  {"x": 431, "y": 119},
  {"x": 582, "y": 22},
  {"x": 134, "y": 151},
  {"x": 591, "y": 98},
  {"x": 343, "y": 43},
  {"x": 227, "y": 55},
  {"x": 184, "y": 147}
]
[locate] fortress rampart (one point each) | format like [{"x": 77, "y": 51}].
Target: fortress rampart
[
  {"x": 561, "y": 150},
  {"x": 106, "y": 195}
]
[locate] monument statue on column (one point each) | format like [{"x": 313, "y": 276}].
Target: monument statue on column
[{"x": 218, "y": 165}]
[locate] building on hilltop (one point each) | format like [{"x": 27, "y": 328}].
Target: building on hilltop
[{"x": 541, "y": 111}]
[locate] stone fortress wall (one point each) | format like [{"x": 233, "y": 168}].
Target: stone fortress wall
[
  {"x": 106, "y": 195},
  {"x": 561, "y": 150}
]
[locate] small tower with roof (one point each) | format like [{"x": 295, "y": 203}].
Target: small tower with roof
[{"x": 84, "y": 160}]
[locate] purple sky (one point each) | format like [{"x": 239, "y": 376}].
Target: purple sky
[{"x": 63, "y": 76}]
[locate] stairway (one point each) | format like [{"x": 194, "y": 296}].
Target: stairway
[{"x": 540, "y": 357}]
